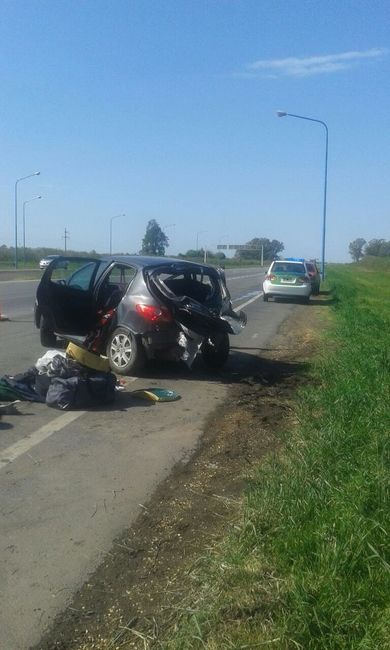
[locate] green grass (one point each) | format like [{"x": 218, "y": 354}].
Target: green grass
[{"x": 308, "y": 565}]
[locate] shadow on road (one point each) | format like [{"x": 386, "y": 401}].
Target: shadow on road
[
  {"x": 241, "y": 367},
  {"x": 6, "y": 425}
]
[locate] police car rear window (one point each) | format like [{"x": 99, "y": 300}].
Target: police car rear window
[{"x": 288, "y": 267}]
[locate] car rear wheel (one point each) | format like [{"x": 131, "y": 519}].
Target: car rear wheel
[
  {"x": 125, "y": 352},
  {"x": 215, "y": 350},
  {"x": 46, "y": 334}
]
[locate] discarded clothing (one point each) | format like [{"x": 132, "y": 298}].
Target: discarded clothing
[
  {"x": 21, "y": 386},
  {"x": 7, "y": 393},
  {"x": 61, "y": 382},
  {"x": 81, "y": 392}
]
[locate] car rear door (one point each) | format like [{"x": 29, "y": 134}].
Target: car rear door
[{"x": 65, "y": 295}]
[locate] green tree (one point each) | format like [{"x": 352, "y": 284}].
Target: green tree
[
  {"x": 356, "y": 248},
  {"x": 271, "y": 249},
  {"x": 378, "y": 248},
  {"x": 155, "y": 240}
]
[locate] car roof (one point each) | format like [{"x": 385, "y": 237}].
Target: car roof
[{"x": 289, "y": 261}]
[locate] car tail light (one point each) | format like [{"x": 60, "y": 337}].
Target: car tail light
[
  {"x": 154, "y": 314},
  {"x": 302, "y": 279},
  {"x": 270, "y": 276}
]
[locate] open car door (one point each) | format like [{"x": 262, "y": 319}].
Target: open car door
[{"x": 65, "y": 295}]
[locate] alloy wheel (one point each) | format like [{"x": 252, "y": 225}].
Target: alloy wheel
[{"x": 121, "y": 349}]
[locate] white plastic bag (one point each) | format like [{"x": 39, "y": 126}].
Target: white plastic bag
[{"x": 43, "y": 362}]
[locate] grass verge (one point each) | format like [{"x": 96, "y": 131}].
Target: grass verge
[{"x": 308, "y": 564}]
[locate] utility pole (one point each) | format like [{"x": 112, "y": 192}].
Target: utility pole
[{"x": 65, "y": 237}]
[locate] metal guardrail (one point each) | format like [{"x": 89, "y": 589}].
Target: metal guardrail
[{"x": 20, "y": 274}]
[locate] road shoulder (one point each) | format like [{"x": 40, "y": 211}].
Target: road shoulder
[{"x": 133, "y": 594}]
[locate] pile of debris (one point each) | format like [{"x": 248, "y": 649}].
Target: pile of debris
[{"x": 74, "y": 379}]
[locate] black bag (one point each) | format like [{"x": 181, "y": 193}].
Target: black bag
[{"x": 80, "y": 392}]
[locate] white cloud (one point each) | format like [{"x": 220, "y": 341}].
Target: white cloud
[{"x": 312, "y": 65}]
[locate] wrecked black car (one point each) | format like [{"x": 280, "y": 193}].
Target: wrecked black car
[{"x": 134, "y": 308}]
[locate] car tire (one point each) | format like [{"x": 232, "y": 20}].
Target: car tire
[
  {"x": 265, "y": 297},
  {"x": 125, "y": 352},
  {"x": 215, "y": 350},
  {"x": 46, "y": 334}
]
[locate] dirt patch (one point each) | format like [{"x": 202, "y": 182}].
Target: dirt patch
[{"x": 128, "y": 600}]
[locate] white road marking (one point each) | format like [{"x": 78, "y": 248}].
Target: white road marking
[
  {"x": 254, "y": 336},
  {"x": 22, "y": 446},
  {"x": 248, "y": 302},
  {"x": 14, "y": 281},
  {"x": 243, "y": 277}
]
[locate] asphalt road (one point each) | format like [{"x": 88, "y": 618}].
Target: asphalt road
[{"x": 72, "y": 481}]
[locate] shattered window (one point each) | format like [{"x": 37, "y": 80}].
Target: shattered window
[{"x": 199, "y": 286}]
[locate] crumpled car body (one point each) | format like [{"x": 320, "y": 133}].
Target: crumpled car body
[{"x": 134, "y": 308}]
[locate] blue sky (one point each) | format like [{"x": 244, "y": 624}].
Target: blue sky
[{"x": 166, "y": 110}]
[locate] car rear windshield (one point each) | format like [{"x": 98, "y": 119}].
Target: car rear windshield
[
  {"x": 288, "y": 267},
  {"x": 199, "y": 286}
]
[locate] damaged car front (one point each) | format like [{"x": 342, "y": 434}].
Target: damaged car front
[{"x": 134, "y": 308}]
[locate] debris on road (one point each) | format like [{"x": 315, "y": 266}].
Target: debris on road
[
  {"x": 2, "y": 315},
  {"x": 157, "y": 394},
  {"x": 63, "y": 382},
  {"x": 89, "y": 359},
  {"x": 9, "y": 409}
]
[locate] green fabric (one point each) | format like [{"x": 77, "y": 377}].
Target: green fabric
[{"x": 6, "y": 393}]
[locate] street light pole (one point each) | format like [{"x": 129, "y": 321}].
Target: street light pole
[
  {"x": 311, "y": 119},
  {"x": 111, "y": 220},
  {"x": 16, "y": 213},
  {"x": 200, "y": 232},
  {"x": 24, "y": 224}
]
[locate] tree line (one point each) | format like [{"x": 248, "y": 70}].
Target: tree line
[
  {"x": 359, "y": 248},
  {"x": 155, "y": 242}
]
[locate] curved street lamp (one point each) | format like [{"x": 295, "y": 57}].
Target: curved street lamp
[
  {"x": 16, "y": 213},
  {"x": 311, "y": 119},
  {"x": 111, "y": 220},
  {"x": 24, "y": 224}
]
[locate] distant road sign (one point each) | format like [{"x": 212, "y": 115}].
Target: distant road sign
[
  {"x": 239, "y": 247},
  {"x": 245, "y": 247}
]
